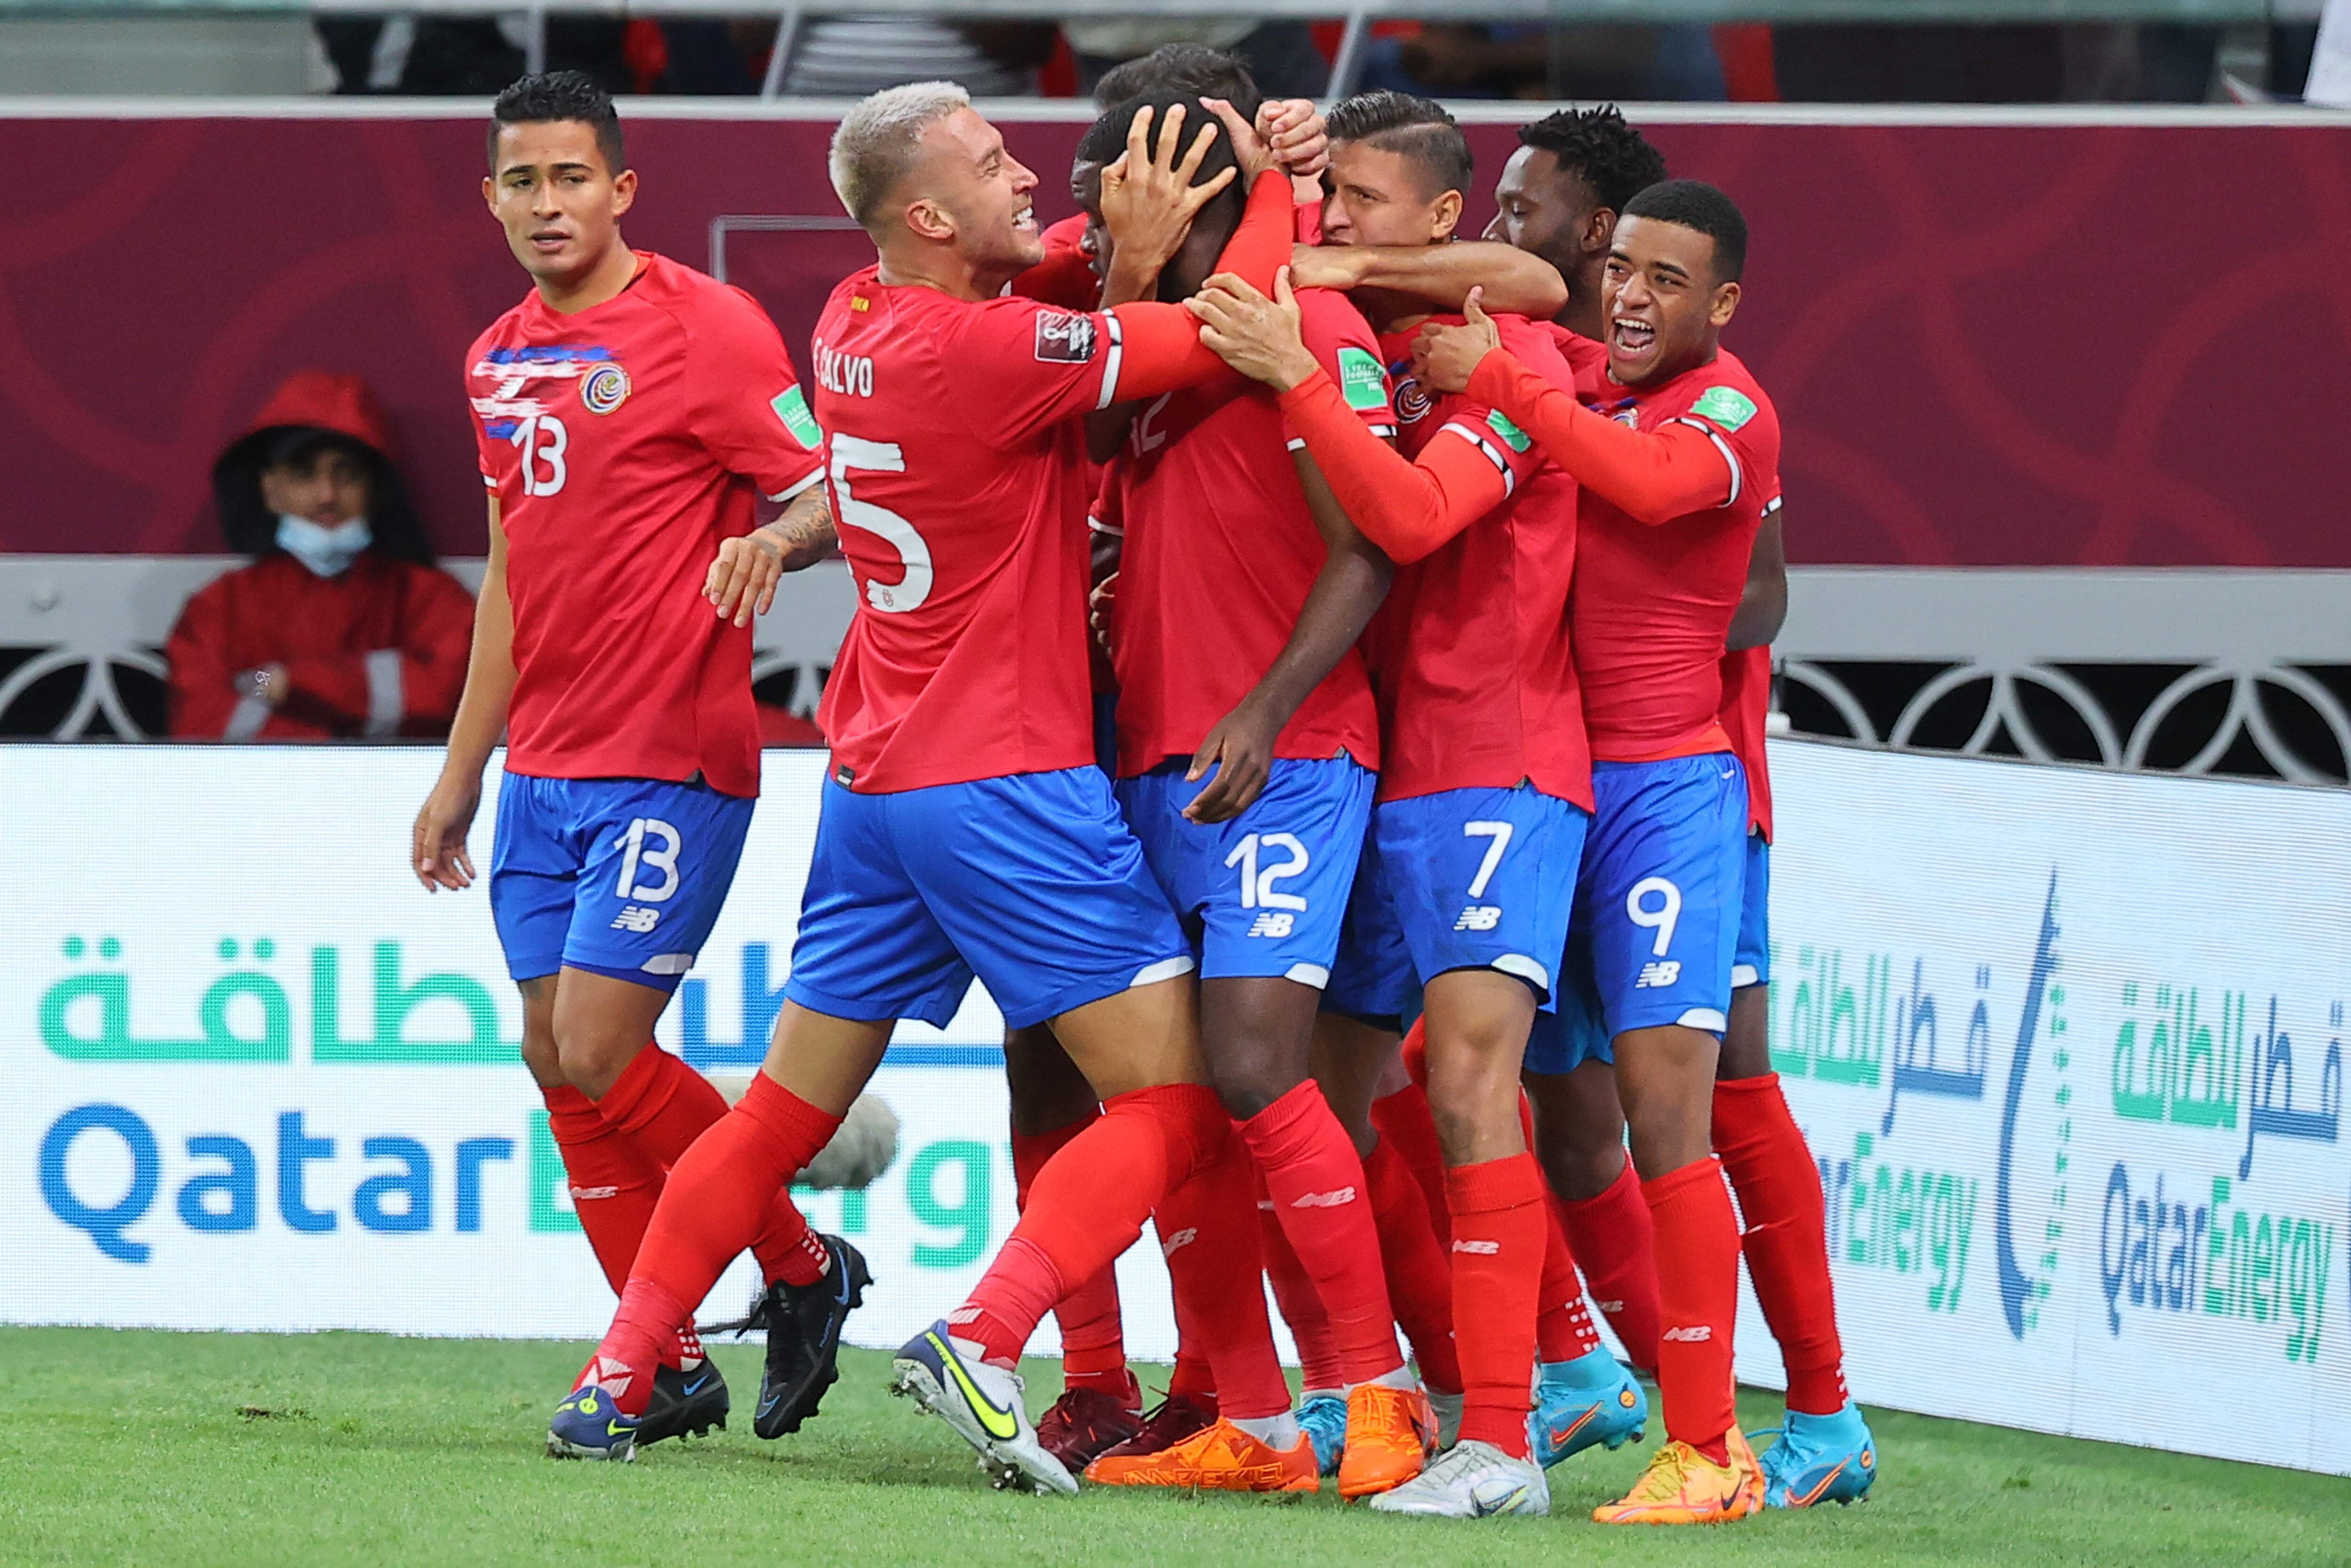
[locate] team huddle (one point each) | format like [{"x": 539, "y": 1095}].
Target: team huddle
[{"x": 1313, "y": 672}]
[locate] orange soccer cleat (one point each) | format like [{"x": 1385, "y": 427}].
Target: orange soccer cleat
[
  {"x": 1389, "y": 1433},
  {"x": 1217, "y": 1458},
  {"x": 1682, "y": 1486}
]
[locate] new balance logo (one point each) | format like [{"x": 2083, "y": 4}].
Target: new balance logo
[
  {"x": 1345, "y": 1195},
  {"x": 1481, "y": 1248},
  {"x": 1478, "y": 917},
  {"x": 1183, "y": 1238},
  {"x": 1277, "y": 924},
  {"x": 1698, "y": 1334},
  {"x": 1663, "y": 972},
  {"x": 636, "y": 917}
]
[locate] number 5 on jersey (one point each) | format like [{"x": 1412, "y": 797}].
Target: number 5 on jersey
[{"x": 854, "y": 452}]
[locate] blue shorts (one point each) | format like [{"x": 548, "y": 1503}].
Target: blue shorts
[
  {"x": 1571, "y": 1034},
  {"x": 1032, "y": 883},
  {"x": 623, "y": 877},
  {"x": 1752, "y": 964},
  {"x": 1265, "y": 892},
  {"x": 1663, "y": 883},
  {"x": 1482, "y": 879},
  {"x": 1371, "y": 979}
]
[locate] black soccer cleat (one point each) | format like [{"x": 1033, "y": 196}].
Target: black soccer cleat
[
  {"x": 685, "y": 1401},
  {"x": 803, "y": 1327}
]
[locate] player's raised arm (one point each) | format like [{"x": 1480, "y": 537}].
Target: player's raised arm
[
  {"x": 1516, "y": 281},
  {"x": 437, "y": 848}
]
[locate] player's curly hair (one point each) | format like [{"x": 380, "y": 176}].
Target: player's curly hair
[
  {"x": 1418, "y": 128},
  {"x": 1193, "y": 69},
  {"x": 1695, "y": 204},
  {"x": 561, "y": 94},
  {"x": 1598, "y": 145}
]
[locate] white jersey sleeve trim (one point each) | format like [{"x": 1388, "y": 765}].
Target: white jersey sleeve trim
[
  {"x": 1476, "y": 438},
  {"x": 1720, "y": 446},
  {"x": 1111, "y": 359},
  {"x": 813, "y": 477}
]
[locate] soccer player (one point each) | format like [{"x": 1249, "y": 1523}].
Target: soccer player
[
  {"x": 1560, "y": 193},
  {"x": 1676, "y": 461},
  {"x": 1486, "y": 788},
  {"x": 626, "y": 411},
  {"x": 964, "y": 829}
]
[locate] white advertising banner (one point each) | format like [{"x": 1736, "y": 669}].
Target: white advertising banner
[{"x": 2067, "y": 1046}]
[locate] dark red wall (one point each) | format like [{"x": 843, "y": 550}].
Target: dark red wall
[{"x": 1990, "y": 346}]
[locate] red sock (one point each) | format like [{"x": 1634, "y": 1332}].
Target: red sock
[
  {"x": 664, "y": 1104},
  {"x": 1087, "y": 1207},
  {"x": 1320, "y": 1364},
  {"x": 1498, "y": 1248},
  {"x": 1403, "y": 1120},
  {"x": 1420, "y": 1282},
  {"x": 1208, "y": 1231},
  {"x": 1093, "y": 1339},
  {"x": 1615, "y": 1241},
  {"x": 1698, "y": 1292},
  {"x": 614, "y": 1184},
  {"x": 1786, "y": 1243},
  {"x": 1319, "y": 1194},
  {"x": 722, "y": 1190},
  {"x": 1564, "y": 1328}
]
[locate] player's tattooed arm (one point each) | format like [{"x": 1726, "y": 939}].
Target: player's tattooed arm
[
  {"x": 1349, "y": 589},
  {"x": 742, "y": 580},
  {"x": 1511, "y": 280},
  {"x": 1763, "y": 602},
  {"x": 437, "y": 851}
]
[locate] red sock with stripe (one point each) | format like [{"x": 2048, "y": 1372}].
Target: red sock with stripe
[
  {"x": 1786, "y": 1244},
  {"x": 1210, "y": 1233},
  {"x": 1087, "y": 1205},
  {"x": 1420, "y": 1281},
  {"x": 1615, "y": 1241},
  {"x": 1698, "y": 1294},
  {"x": 1317, "y": 1185},
  {"x": 614, "y": 1184},
  {"x": 1093, "y": 1339},
  {"x": 1497, "y": 1250},
  {"x": 722, "y": 1191},
  {"x": 665, "y": 1105},
  {"x": 1319, "y": 1366}
]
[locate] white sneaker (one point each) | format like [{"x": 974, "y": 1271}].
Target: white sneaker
[
  {"x": 1471, "y": 1481},
  {"x": 1449, "y": 1416},
  {"x": 985, "y": 1407}
]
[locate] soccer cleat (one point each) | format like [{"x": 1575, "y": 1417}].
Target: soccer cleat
[
  {"x": 1682, "y": 1486},
  {"x": 1389, "y": 1431},
  {"x": 1447, "y": 1409},
  {"x": 589, "y": 1426},
  {"x": 1471, "y": 1481},
  {"x": 1220, "y": 1456},
  {"x": 1819, "y": 1458},
  {"x": 686, "y": 1400},
  {"x": 1579, "y": 1403},
  {"x": 983, "y": 1405},
  {"x": 803, "y": 1327},
  {"x": 1171, "y": 1421},
  {"x": 1084, "y": 1424},
  {"x": 1323, "y": 1418}
]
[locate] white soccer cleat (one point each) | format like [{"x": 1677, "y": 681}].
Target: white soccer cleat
[
  {"x": 1470, "y": 1480},
  {"x": 985, "y": 1405}
]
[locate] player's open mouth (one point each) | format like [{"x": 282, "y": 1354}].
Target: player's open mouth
[
  {"x": 1631, "y": 337},
  {"x": 1025, "y": 220},
  {"x": 551, "y": 239}
]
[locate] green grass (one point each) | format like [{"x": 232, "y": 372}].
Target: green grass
[{"x": 204, "y": 1448}]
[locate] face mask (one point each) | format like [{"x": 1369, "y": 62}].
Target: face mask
[{"x": 325, "y": 551}]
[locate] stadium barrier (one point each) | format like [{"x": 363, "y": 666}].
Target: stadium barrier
[{"x": 2067, "y": 1045}]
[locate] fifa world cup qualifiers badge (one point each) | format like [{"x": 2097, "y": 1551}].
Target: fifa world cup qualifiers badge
[
  {"x": 605, "y": 388},
  {"x": 1064, "y": 339}
]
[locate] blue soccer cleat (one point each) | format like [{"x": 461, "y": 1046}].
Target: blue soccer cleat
[
  {"x": 1819, "y": 1458},
  {"x": 1323, "y": 1417},
  {"x": 589, "y": 1426},
  {"x": 1589, "y": 1401}
]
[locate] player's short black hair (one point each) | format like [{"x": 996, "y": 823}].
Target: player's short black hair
[
  {"x": 1598, "y": 147},
  {"x": 1193, "y": 69},
  {"x": 561, "y": 94},
  {"x": 1105, "y": 139},
  {"x": 1418, "y": 128},
  {"x": 1695, "y": 204}
]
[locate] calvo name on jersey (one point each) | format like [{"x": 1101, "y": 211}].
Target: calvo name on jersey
[{"x": 844, "y": 375}]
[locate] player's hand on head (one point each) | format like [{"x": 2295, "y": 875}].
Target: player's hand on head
[
  {"x": 742, "y": 580},
  {"x": 1259, "y": 336},
  {"x": 1294, "y": 130},
  {"x": 1240, "y": 749},
  {"x": 1445, "y": 357},
  {"x": 1255, "y": 154},
  {"x": 437, "y": 844},
  {"x": 1148, "y": 199}
]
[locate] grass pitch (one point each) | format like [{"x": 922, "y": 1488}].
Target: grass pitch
[{"x": 329, "y": 1449}]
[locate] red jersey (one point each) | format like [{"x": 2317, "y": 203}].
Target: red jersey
[
  {"x": 1652, "y": 602},
  {"x": 1746, "y": 715},
  {"x": 1220, "y": 551},
  {"x": 623, "y": 443},
  {"x": 1477, "y": 686}
]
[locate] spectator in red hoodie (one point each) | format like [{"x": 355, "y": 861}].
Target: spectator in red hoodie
[{"x": 341, "y": 627}]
